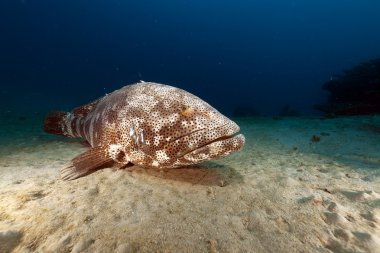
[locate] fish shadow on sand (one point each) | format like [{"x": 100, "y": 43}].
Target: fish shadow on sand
[{"x": 208, "y": 174}]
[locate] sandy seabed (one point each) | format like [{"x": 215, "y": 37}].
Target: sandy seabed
[{"x": 283, "y": 193}]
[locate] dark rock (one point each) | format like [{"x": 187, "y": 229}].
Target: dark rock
[
  {"x": 316, "y": 138},
  {"x": 355, "y": 92}
]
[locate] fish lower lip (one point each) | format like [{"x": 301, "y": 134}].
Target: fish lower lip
[
  {"x": 223, "y": 138},
  {"x": 230, "y": 131},
  {"x": 218, "y": 139},
  {"x": 239, "y": 138}
]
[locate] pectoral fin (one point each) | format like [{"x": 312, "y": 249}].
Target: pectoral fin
[{"x": 86, "y": 163}]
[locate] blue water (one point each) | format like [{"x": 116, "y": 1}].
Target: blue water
[
  {"x": 268, "y": 58},
  {"x": 260, "y": 54}
]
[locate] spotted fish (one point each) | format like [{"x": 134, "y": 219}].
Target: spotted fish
[{"x": 146, "y": 124}]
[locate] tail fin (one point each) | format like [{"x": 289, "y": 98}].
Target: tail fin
[{"x": 56, "y": 123}]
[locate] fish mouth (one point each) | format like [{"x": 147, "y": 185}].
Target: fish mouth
[
  {"x": 221, "y": 139},
  {"x": 217, "y": 148},
  {"x": 228, "y": 140}
]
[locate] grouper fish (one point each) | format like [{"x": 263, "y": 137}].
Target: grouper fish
[{"x": 146, "y": 124}]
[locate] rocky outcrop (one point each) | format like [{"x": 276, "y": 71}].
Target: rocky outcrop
[{"x": 355, "y": 92}]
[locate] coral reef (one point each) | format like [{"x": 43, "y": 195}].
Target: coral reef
[{"x": 355, "y": 92}]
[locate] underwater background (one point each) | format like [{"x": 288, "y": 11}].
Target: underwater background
[
  {"x": 300, "y": 78},
  {"x": 258, "y": 54}
]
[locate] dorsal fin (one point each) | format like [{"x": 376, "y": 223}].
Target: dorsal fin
[{"x": 83, "y": 110}]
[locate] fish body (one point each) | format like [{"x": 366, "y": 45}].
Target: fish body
[{"x": 146, "y": 124}]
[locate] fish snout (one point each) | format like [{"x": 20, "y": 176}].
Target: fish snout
[{"x": 214, "y": 142}]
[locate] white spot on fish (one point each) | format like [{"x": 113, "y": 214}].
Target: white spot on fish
[
  {"x": 173, "y": 118},
  {"x": 156, "y": 140},
  {"x": 142, "y": 141},
  {"x": 162, "y": 156},
  {"x": 114, "y": 150},
  {"x": 131, "y": 131}
]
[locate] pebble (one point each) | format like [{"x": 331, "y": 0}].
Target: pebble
[
  {"x": 65, "y": 240},
  {"x": 358, "y": 196},
  {"x": 372, "y": 216},
  {"x": 369, "y": 241},
  {"x": 335, "y": 207},
  {"x": 9, "y": 239},
  {"x": 335, "y": 219},
  {"x": 342, "y": 234},
  {"x": 339, "y": 175},
  {"x": 124, "y": 248},
  {"x": 61, "y": 245},
  {"x": 213, "y": 246},
  {"x": 82, "y": 245},
  {"x": 315, "y": 199},
  {"x": 93, "y": 191},
  {"x": 236, "y": 222},
  {"x": 290, "y": 182}
]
